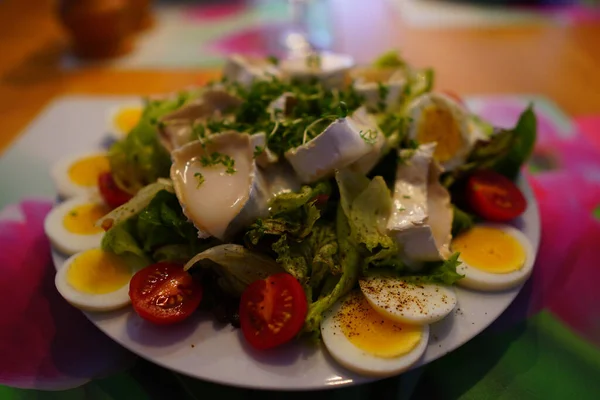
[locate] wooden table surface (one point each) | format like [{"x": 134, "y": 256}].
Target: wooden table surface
[{"x": 560, "y": 62}]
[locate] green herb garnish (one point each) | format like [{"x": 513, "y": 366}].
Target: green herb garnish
[
  {"x": 384, "y": 91},
  {"x": 199, "y": 178},
  {"x": 217, "y": 158},
  {"x": 342, "y": 110},
  {"x": 258, "y": 150},
  {"x": 369, "y": 136}
]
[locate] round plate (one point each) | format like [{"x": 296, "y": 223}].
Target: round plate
[{"x": 205, "y": 349}]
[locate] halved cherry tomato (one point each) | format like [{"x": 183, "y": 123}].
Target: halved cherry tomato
[
  {"x": 321, "y": 199},
  {"x": 164, "y": 293},
  {"x": 113, "y": 195},
  {"x": 494, "y": 197},
  {"x": 272, "y": 311}
]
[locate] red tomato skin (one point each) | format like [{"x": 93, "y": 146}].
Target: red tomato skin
[
  {"x": 272, "y": 311},
  {"x": 113, "y": 195},
  {"x": 158, "y": 283},
  {"x": 494, "y": 197}
]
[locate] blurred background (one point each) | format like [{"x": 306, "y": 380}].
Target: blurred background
[{"x": 49, "y": 48}]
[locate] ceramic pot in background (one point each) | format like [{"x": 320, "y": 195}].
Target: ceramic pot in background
[
  {"x": 141, "y": 14},
  {"x": 98, "y": 28}
]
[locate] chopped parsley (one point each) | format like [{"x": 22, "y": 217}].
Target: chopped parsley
[
  {"x": 342, "y": 110},
  {"x": 258, "y": 150},
  {"x": 312, "y": 102},
  {"x": 198, "y": 131},
  {"x": 217, "y": 158},
  {"x": 199, "y": 178},
  {"x": 369, "y": 136},
  {"x": 406, "y": 196},
  {"x": 384, "y": 91}
]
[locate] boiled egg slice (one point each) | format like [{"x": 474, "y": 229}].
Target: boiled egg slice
[
  {"x": 435, "y": 117},
  {"x": 123, "y": 119},
  {"x": 71, "y": 226},
  {"x": 406, "y": 302},
  {"x": 78, "y": 174},
  {"x": 494, "y": 257},
  {"x": 96, "y": 280},
  {"x": 364, "y": 341}
]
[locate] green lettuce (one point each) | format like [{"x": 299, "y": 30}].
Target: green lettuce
[
  {"x": 524, "y": 133},
  {"x": 292, "y": 214},
  {"x": 461, "y": 221},
  {"x": 336, "y": 286},
  {"x": 140, "y": 159},
  {"x": 160, "y": 224},
  {"x": 367, "y": 205},
  {"x": 389, "y": 59},
  {"x": 236, "y": 266},
  {"x": 442, "y": 272},
  {"x": 303, "y": 243}
]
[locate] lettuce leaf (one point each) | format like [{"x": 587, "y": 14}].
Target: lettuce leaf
[
  {"x": 236, "y": 266},
  {"x": 161, "y": 223},
  {"x": 443, "y": 272},
  {"x": 389, "y": 59},
  {"x": 120, "y": 239},
  {"x": 367, "y": 205},
  {"x": 294, "y": 257},
  {"x": 336, "y": 287},
  {"x": 461, "y": 221},
  {"x": 525, "y": 134},
  {"x": 287, "y": 202},
  {"x": 292, "y": 214},
  {"x": 140, "y": 159}
]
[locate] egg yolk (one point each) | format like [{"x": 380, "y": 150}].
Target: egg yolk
[
  {"x": 81, "y": 219},
  {"x": 374, "y": 333},
  {"x": 85, "y": 172},
  {"x": 490, "y": 250},
  {"x": 437, "y": 124},
  {"x": 127, "y": 118},
  {"x": 98, "y": 272}
]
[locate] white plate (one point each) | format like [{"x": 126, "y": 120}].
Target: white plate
[{"x": 206, "y": 350}]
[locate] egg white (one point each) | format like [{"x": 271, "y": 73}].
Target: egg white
[
  {"x": 63, "y": 240},
  {"x": 487, "y": 281},
  {"x": 466, "y": 129},
  {"x": 113, "y": 129},
  {"x": 65, "y": 187},
  {"x": 87, "y": 301},
  {"x": 357, "y": 360},
  {"x": 407, "y": 303}
]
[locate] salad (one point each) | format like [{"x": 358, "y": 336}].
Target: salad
[{"x": 298, "y": 199}]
